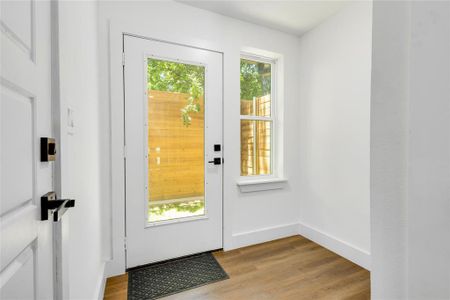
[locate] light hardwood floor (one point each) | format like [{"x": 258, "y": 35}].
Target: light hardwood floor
[{"x": 289, "y": 268}]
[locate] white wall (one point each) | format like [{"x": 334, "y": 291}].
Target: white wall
[
  {"x": 251, "y": 217},
  {"x": 429, "y": 152},
  {"x": 388, "y": 159},
  {"x": 411, "y": 151},
  {"x": 80, "y": 157},
  {"x": 334, "y": 67}
]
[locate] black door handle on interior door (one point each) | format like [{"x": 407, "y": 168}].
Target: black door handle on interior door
[
  {"x": 58, "y": 207},
  {"x": 216, "y": 161}
]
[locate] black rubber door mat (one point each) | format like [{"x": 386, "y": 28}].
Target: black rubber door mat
[{"x": 166, "y": 278}]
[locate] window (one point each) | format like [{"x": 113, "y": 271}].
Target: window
[
  {"x": 257, "y": 116},
  {"x": 175, "y": 140}
]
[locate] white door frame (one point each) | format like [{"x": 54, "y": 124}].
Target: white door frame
[
  {"x": 59, "y": 107},
  {"x": 116, "y": 223}
]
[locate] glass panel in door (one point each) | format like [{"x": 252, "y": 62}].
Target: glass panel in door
[{"x": 175, "y": 140}]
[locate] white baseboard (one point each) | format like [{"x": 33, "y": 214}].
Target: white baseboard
[
  {"x": 344, "y": 249},
  {"x": 100, "y": 290},
  {"x": 262, "y": 235},
  {"x": 114, "y": 268}
]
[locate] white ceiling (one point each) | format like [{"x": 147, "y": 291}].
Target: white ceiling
[{"x": 294, "y": 17}]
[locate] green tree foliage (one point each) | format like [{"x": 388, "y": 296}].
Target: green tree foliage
[
  {"x": 255, "y": 79},
  {"x": 190, "y": 79},
  {"x": 181, "y": 78}
]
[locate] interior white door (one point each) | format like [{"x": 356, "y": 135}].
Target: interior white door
[
  {"x": 173, "y": 119},
  {"x": 26, "y": 270}
]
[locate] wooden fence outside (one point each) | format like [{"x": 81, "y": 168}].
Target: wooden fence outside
[
  {"x": 176, "y": 151},
  {"x": 175, "y": 161},
  {"x": 256, "y": 134}
]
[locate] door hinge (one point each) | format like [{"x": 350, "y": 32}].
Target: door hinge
[
  {"x": 124, "y": 151},
  {"x": 123, "y": 58},
  {"x": 125, "y": 243}
]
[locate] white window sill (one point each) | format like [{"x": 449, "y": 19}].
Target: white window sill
[{"x": 260, "y": 184}]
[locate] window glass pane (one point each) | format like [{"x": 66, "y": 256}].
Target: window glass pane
[
  {"x": 255, "y": 88},
  {"x": 175, "y": 140},
  {"x": 256, "y": 147}
]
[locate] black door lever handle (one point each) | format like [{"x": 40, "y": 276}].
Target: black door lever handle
[
  {"x": 216, "y": 161},
  {"x": 58, "y": 207}
]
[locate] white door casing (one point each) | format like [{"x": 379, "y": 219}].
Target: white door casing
[
  {"x": 147, "y": 243},
  {"x": 26, "y": 270}
]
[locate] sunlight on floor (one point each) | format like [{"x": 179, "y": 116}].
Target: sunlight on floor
[{"x": 175, "y": 209}]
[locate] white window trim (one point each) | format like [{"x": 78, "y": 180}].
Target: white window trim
[
  {"x": 261, "y": 184},
  {"x": 275, "y": 180}
]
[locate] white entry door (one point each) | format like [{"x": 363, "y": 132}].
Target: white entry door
[
  {"x": 26, "y": 270},
  {"x": 173, "y": 142}
]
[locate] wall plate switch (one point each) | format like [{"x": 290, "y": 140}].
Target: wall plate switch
[{"x": 71, "y": 122}]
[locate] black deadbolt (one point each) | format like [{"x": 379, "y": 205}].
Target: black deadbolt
[
  {"x": 52, "y": 149},
  {"x": 48, "y": 149}
]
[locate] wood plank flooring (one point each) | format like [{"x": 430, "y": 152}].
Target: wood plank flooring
[{"x": 289, "y": 268}]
